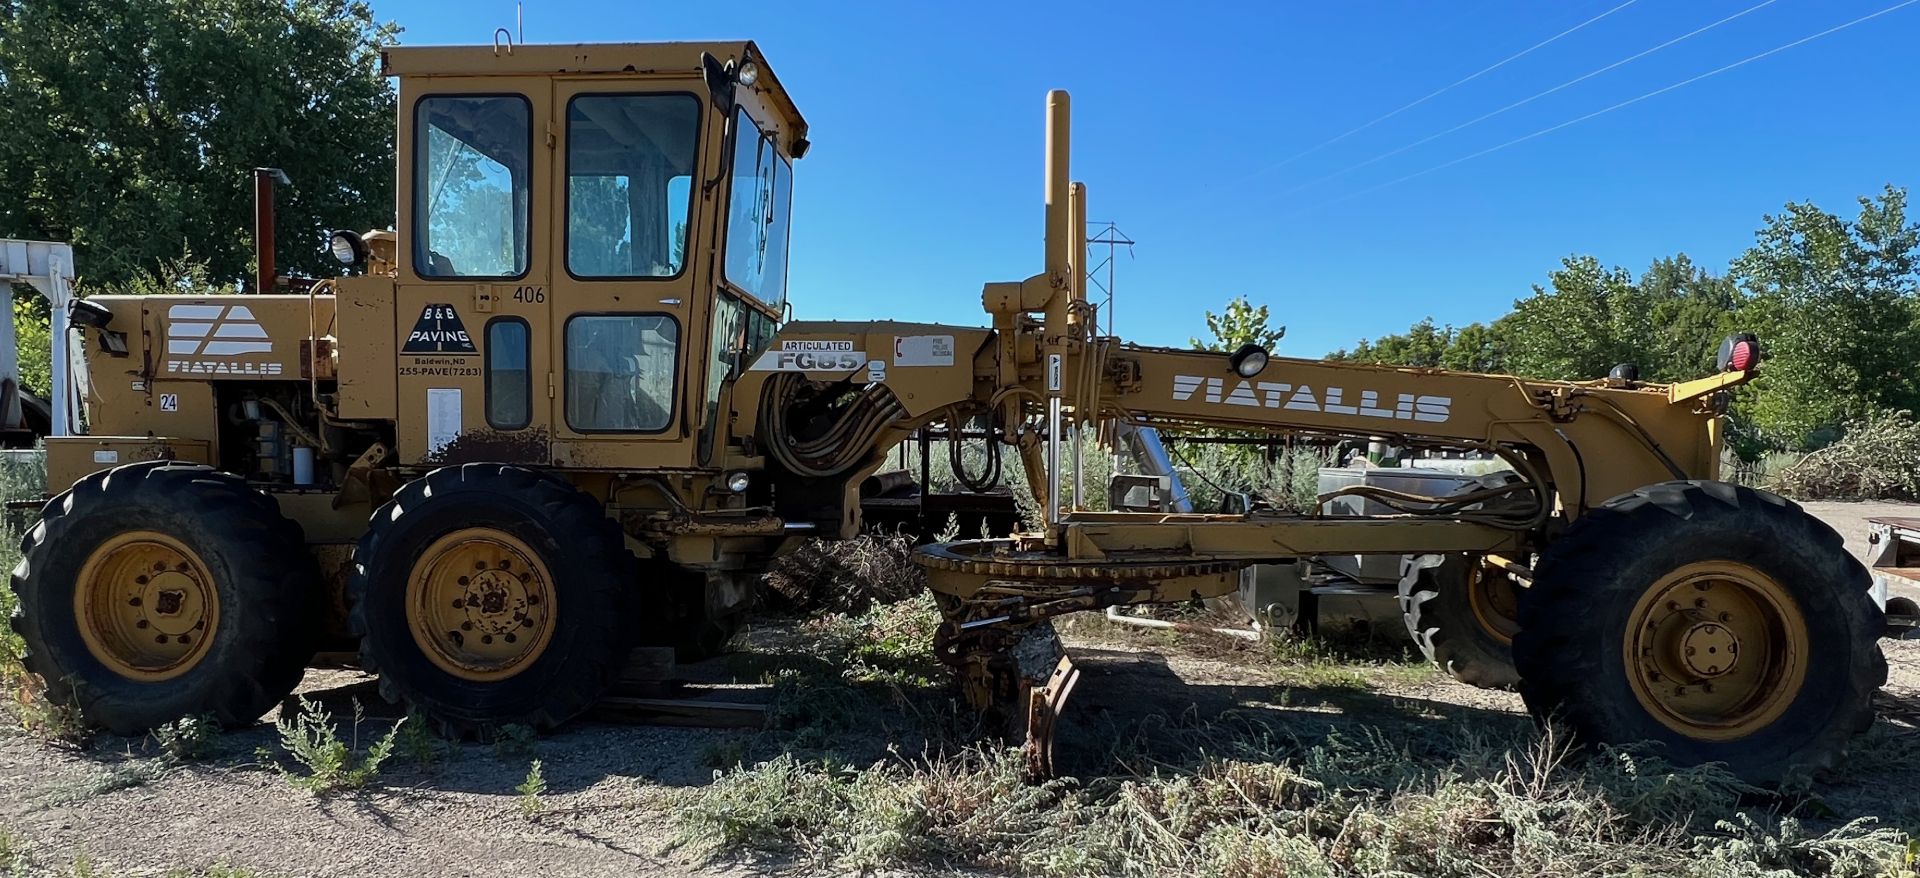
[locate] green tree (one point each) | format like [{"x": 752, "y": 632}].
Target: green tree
[
  {"x": 1834, "y": 304},
  {"x": 1585, "y": 321},
  {"x": 1239, "y": 324},
  {"x": 133, "y": 126}
]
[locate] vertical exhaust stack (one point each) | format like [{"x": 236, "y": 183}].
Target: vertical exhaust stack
[
  {"x": 263, "y": 243},
  {"x": 1060, "y": 268}
]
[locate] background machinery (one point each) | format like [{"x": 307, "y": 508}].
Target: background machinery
[{"x": 556, "y": 414}]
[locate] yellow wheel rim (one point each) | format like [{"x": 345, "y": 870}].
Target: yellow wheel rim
[
  {"x": 146, "y": 606},
  {"x": 1495, "y": 602},
  {"x": 1716, "y": 650},
  {"x": 480, "y": 604}
]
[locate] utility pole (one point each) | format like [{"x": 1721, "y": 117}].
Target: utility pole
[{"x": 1109, "y": 236}]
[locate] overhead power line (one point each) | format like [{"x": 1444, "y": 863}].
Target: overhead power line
[
  {"x": 1443, "y": 90},
  {"x": 1528, "y": 100},
  {"x": 1601, "y": 112}
]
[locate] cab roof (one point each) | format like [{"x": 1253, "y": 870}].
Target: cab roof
[{"x": 674, "y": 59}]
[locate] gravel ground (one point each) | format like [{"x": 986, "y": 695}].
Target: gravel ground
[{"x": 608, "y": 807}]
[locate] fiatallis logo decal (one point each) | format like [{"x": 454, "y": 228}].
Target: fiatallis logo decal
[
  {"x": 1303, "y": 398},
  {"x": 205, "y": 339}
]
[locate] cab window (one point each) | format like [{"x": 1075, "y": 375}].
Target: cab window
[
  {"x": 757, "y": 215},
  {"x": 470, "y": 185},
  {"x": 509, "y": 380},
  {"x": 629, "y": 183},
  {"x": 620, "y": 372}
]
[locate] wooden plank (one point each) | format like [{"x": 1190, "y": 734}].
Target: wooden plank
[
  {"x": 340, "y": 702},
  {"x": 681, "y": 712}
]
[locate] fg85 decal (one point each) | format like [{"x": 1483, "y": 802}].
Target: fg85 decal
[{"x": 810, "y": 361}]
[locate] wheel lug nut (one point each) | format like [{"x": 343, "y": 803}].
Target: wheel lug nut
[
  {"x": 486, "y": 638},
  {"x": 458, "y": 603},
  {"x": 1673, "y": 605},
  {"x": 184, "y": 640},
  {"x": 1726, "y": 617},
  {"x": 160, "y": 638},
  {"x": 140, "y": 623},
  {"x": 479, "y": 565},
  {"x": 133, "y": 601},
  {"x": 1700, "y": 602},
  {"x": 140, "y": 580},
  {"x": 1689, "y": 650},
  {"x": 526, "y": 623},
  {"x": 466, "y": 626},
  {"x": 508, "y": 637},
  {"x": 463, "y": 580},
  {"x": 1679, "y": 690}
]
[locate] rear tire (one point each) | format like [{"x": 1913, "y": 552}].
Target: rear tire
[
  {"x": 228, "y": 562},
  {"x": 1724, "y": 623},
  {"x": 1460, "y": 623},
  {"x": 489, "y": 595}
]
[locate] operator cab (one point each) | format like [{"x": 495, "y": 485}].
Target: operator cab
[{"x": 590, "y": 238}]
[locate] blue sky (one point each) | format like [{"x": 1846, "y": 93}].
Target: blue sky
[{"x": 925, "y": 176}]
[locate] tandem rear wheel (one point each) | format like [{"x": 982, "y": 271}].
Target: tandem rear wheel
[
  {"x": 487, "y": 595},
  {"x": 1721, "y": 623}
]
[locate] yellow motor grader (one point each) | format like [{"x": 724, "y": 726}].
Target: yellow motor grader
[{"x": 556, "y": 413}]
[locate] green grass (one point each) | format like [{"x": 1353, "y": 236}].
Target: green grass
[
  {"x": 328, "y": 763},
  {"x": 16, "y": 861},
  {"x": 1456, "y": 804}
]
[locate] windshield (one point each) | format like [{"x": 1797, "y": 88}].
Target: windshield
[
  {"x": 629, "y": 183},
  {"x": 470, "y": 186},
  {"x": 757, "y": 217}
]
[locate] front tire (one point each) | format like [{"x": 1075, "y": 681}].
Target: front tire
[
  {"x": 1724, "y": 623},
  {"x": 160, "y": 590},
  {"x": 488, "y": 595}
]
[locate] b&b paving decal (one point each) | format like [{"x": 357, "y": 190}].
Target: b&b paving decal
[{"x": 439, "y": 331}]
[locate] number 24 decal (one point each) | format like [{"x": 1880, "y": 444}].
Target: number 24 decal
[
  {"x": 169, "y": 402},
  {"x": 531, "y": 295}
]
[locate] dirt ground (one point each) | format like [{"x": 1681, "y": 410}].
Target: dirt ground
[{"x": 608, "y": 806}]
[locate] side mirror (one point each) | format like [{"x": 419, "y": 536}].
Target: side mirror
[{"x": 720, "y": 80}]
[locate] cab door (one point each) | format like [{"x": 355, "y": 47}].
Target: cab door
[
  {"x": 627, "y": 311},
  {"x": 473, "y": 302}
]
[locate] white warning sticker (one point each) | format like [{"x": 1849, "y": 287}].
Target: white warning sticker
[
  {"x": 443, "y": 417},
  {"x": 923, "y": 350}
]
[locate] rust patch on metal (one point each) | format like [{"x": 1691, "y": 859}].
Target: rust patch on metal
[{"x": 495, "y": 446}]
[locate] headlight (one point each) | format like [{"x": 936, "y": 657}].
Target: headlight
[
  {"x": 748, "y": 75},
  {"x": 348, "y": 247},
  {"x": 1248, "y": 360},
  {"x": 737, "y": 483}
]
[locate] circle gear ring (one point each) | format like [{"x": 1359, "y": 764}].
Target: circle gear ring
[{"x": 1000, "y": 559}]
